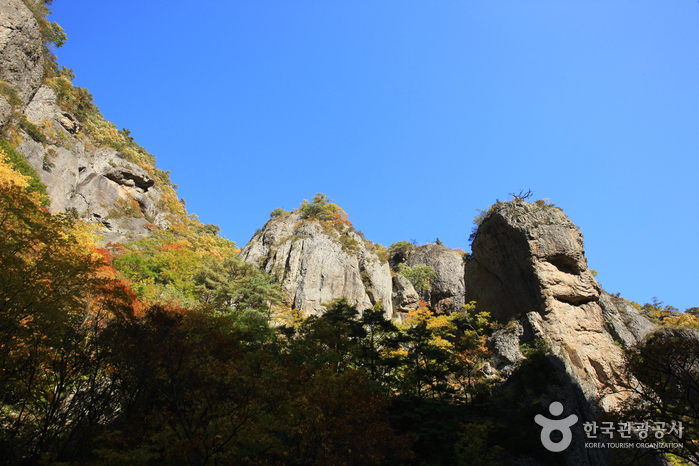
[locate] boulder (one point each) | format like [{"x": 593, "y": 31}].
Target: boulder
[{"x": 316, "y": 262}]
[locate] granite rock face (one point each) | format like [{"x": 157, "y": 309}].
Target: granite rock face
[
  {"x": 21, "y": 49},
  {"x": 623, "y": 322},
  {"x": 316, "y": 264},
  {"x": 97, "y": 184},
  {"x": 527, "y": 258},
  {"x": 529, "y": 270},
  {"x": 446, "y": 293},
  {"x": 94, "y": 185},
  {"x": 405, "y": 298},
  {"x": 5, "y": 110}
]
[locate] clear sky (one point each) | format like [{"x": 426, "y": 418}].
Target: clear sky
[{"x": 413, "y": 114}]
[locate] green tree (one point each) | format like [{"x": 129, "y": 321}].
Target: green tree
[
  {"x": 419, "y": 275},
  {"x": 317, "y": 208},
  {"x": 232, "y": 285}
]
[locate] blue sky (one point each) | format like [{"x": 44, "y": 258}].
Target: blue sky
[{"x": 413, "y": 114}]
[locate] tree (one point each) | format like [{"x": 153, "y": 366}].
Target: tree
[
  {"x": 330, "y": 340},
  {"x": 13, "y": 161},
  {"x": 323, "y": 208},
  {"x": 196, "y": 389},
  {"x": 56, "y": 293},
  {"x": 419, "y": 275},
  {"x": 230, "y": 284},
  {"x": 662, "y": 375}
]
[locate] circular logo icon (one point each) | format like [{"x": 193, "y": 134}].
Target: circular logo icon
[{"x": 551, "y": 425}]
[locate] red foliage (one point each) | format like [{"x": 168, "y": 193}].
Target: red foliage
[
  {"x": 106, "y": 255},
  {"x": 120, "y": 298}
]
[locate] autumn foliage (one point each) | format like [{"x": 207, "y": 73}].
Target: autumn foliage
[
  {"x": 99, "y": 366},
  {"x": 170, "y": 350}
]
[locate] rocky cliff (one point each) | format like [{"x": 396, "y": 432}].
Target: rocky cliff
[
  {"x": 89, "y": 167},
  {"x": 21, "y": 53},
  {"x": 529, "y": 270},
  {"x": 529, "y": 265},
  {"x": 316, "y": 262}
]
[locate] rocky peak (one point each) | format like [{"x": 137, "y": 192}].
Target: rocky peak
[
  {"x": 529, "y": 270},
  {"x": 528, "y": 255},
  {"x": 316, "y": 261},
  {"x": 529, "y": 265}
]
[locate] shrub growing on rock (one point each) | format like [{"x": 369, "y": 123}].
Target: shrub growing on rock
[{"x": 419, "y": 275}]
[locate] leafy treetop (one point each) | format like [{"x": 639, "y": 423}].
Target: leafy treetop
[{"x": 323, "y": 208}]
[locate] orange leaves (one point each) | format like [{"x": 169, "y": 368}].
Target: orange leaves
[
  {"x": 337, "y": 215},
  {"x": 118, "y": 296},
  {"x": 106, "y": 255}
]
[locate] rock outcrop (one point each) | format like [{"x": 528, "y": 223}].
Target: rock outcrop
[
  {"x": 622, "y": 321},
  {"x": 529, "y": 266},
  {"x": 529, "y": 270},
  {"x": 446, "y": 292},
  {"x": 528, "y": 258},
  {"x": 405, "y": 298},
  {"x": 21, "y": 49},
  {"x": 93, "y": 182},
  {"x": 98, "y": 184},
  {"x": 316, "y": 262}
]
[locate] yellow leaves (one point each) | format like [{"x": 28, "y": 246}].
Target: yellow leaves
[
  {"x": 8, "y": 175},
  {"x": 126, "y": 208},
  {"x": 420, "y": 314},
  {"x": 440, "y": 342},
  {"x": 336, "y": 214},
  {"x": 683, "y": 320},
  {"x": 433, "y": 321}
]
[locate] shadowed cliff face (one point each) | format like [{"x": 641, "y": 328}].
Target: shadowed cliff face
[{"x": 314, "y": 267}]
